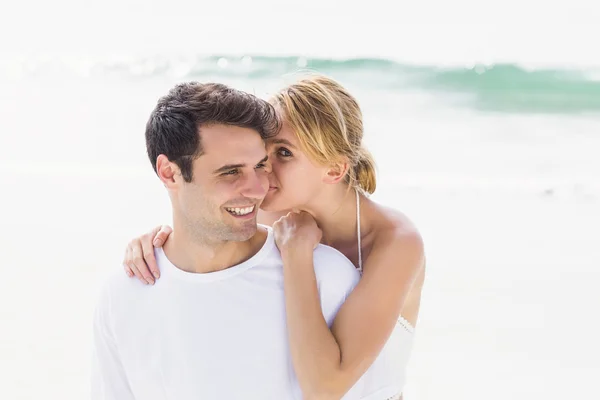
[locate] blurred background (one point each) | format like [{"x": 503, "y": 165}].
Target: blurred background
[{"x": 483, "y": 117}]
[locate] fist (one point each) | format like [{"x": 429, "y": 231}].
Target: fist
[{"x": 296, "y": 230}]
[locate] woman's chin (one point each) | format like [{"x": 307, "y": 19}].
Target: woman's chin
[
  {"x": 269, "y": 208},
  {"x": 269, "y": 204}
]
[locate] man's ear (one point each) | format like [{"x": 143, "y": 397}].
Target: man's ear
[
  {"x": 336, "y": 173},
  {"x": 167, "y": 171}
]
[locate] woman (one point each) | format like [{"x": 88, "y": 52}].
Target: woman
[{"x": 322, "y": 173}]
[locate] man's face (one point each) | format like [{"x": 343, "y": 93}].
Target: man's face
[{"x": 229, "y": 184}]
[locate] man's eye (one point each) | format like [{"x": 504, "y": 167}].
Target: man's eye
[
  {"x": 231, "y": 172},
  {"x": 261, "y": 165}
]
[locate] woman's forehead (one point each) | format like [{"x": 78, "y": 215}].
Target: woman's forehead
[{"x": 286, "y": 132}]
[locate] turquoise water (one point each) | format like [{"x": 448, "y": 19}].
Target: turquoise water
[{"x": 495, "y": 87}]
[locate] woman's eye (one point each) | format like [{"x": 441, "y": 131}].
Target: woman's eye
[{"x": 284, "y": 152}]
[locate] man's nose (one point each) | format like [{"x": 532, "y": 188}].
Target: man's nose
[{"x": 257, "y": 185}]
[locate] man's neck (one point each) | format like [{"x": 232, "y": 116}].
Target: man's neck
[{"x": 203, "y": 256}]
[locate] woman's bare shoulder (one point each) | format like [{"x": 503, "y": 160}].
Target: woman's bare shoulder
[
  {"x": 396, "y": 240},
  {"x": 387, "y": 220}
]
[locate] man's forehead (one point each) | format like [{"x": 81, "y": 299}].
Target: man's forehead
[
  {"x": 221, "y": 147},
  {"x": 231, "y": 149},
  {"x": 227, "y": 136}
]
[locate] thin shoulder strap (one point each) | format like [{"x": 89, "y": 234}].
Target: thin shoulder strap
[{"x": 358, "y": 231}]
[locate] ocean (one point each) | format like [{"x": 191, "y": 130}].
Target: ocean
[{"x": 495, "y": 159}]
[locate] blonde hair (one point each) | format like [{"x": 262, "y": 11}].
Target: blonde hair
[{"x": 328, "y": 123}]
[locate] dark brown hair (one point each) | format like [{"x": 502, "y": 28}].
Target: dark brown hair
[{"x": 173, "y": 128}]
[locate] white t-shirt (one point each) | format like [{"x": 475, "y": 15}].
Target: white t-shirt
[{"x": 218, "y": 335}]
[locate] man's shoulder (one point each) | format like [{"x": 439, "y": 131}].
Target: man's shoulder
[
  {"x": 117, "y": 279},
  {"x": 333, "y": 267},
  {"x": 336, "y": 278},
  {"x": 333, "y": 270},
  {"x": 116, "y": 284}
]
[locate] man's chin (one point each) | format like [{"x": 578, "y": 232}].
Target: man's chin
[{"x": 244, "y": 231}]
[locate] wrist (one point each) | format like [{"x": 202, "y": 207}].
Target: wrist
[{"x": 299, "y": 249}]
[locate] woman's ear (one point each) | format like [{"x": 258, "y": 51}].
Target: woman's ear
[{"x": 336, "y": 173}]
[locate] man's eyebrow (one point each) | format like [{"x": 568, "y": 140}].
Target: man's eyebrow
[
  {"x": 282, "y": 141},
  {"x": 229, "y": 167}
]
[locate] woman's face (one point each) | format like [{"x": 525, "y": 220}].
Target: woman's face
[{"x": 295, "y": 179}]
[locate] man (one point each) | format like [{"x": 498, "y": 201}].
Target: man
[{"x": 213, "y": 326}]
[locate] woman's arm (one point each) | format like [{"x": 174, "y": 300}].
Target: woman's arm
[{"x": 329, "y": 362}]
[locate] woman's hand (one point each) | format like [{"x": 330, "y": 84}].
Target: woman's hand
[
  {"x": 139, "y": 257},
  {"x": 297, "y": 231}
]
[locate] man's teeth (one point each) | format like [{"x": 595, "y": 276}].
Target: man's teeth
[{"x": 240, "y": 211}]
